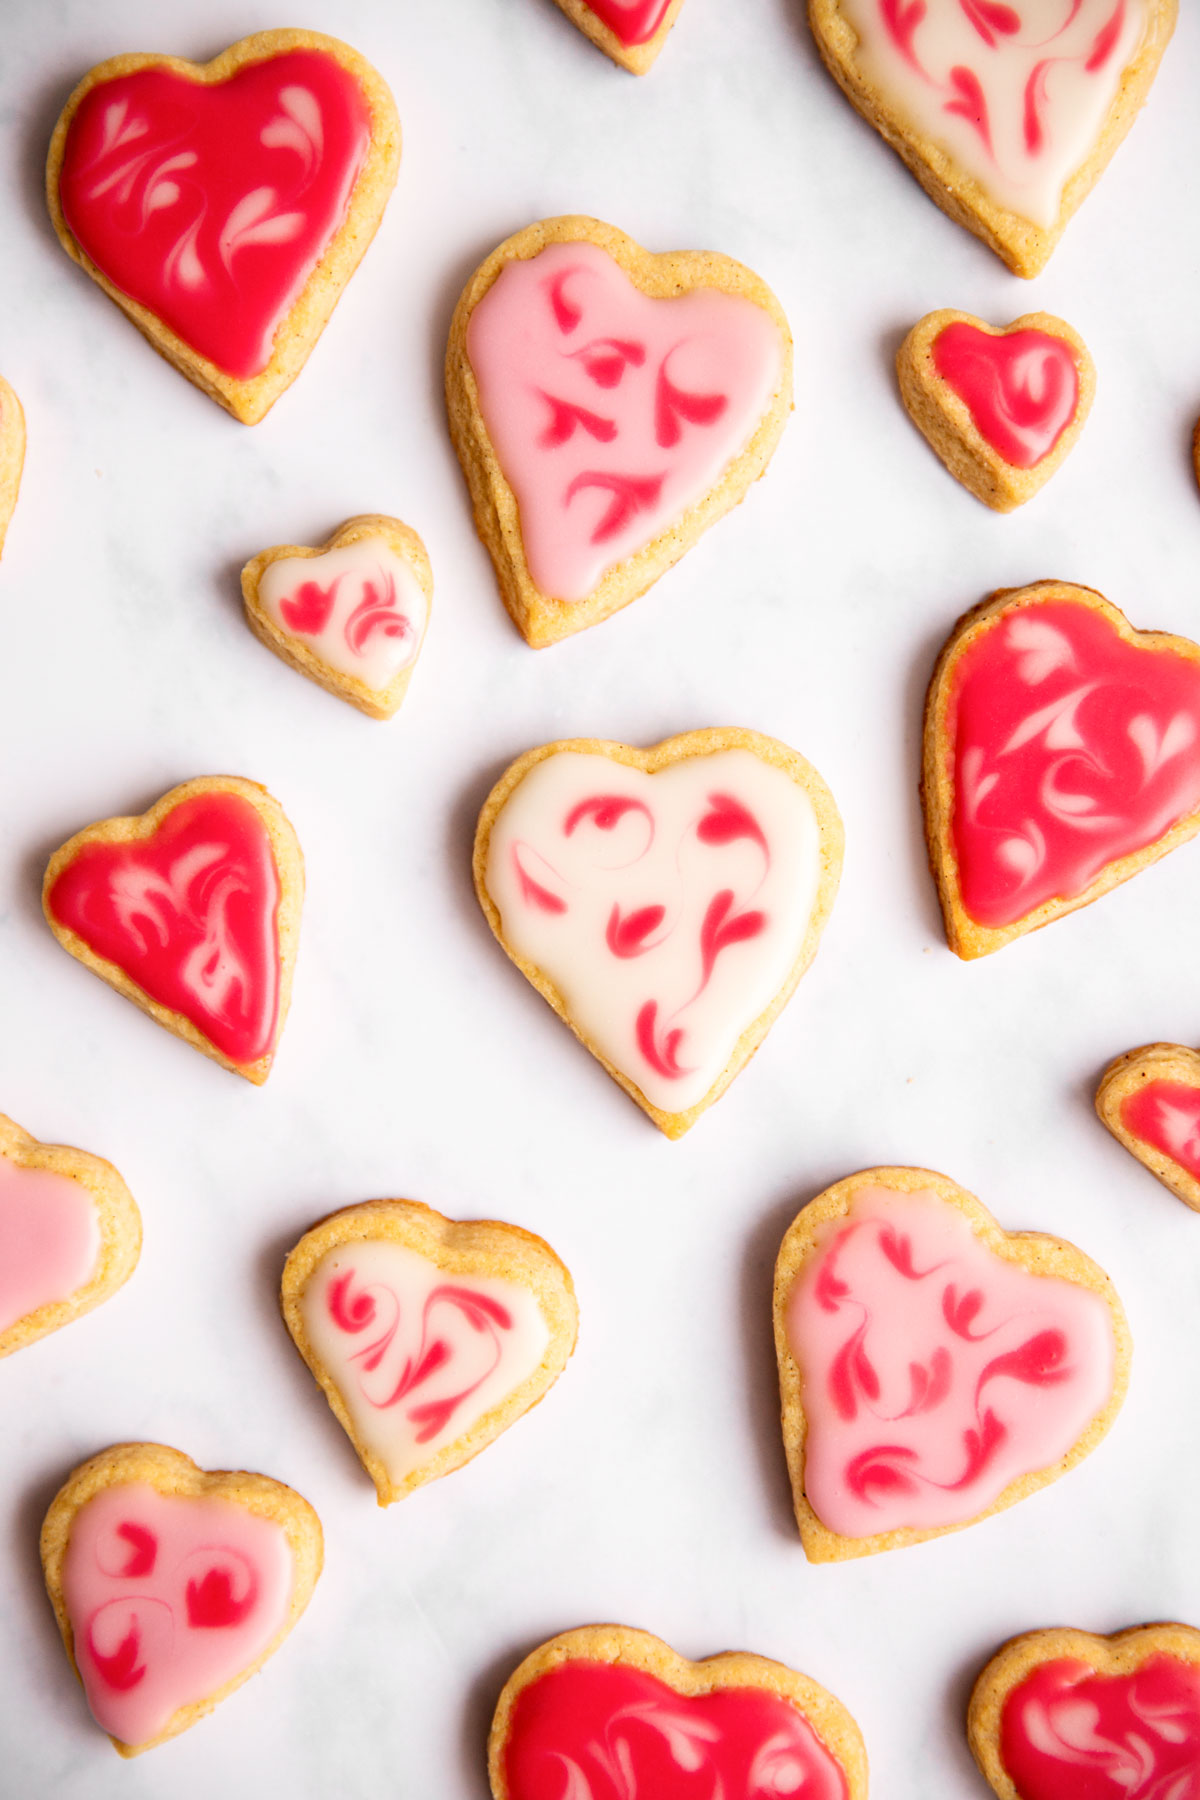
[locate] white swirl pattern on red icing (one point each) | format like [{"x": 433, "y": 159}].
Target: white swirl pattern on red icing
[{"x": 359, "y": 608}]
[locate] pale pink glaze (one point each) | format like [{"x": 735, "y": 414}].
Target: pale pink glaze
[
  {"x": 169, "y": 1598},
  {"x": 934, "y": 1372},
  {"x": 1166, "y": 1115},
  {"x": 1020, "y": 387},
  {"x": 49, "y": 1239},
  {"x": 633, "y": 21},
  {"x": 1068, "y": 1733},
  {"x": 1069, "y": 748},
  {"x": 611, "y": 413}
]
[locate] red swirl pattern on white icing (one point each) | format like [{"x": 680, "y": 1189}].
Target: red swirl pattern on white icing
[{"x": 360, "y": 608}]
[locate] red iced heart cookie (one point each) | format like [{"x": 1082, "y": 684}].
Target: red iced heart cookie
[
  {"x": 609, "y": 1713},
  {"x": 1150, "y": 1101},
  {"x": 12, "y": 454},
  {"x": 1062, "y": 755},
  {"x": 225, "y": 205},
  {"x": 632, "y": 32},
  {"x": 193, "y": 912}
]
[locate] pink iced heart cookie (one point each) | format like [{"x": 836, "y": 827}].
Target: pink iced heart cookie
[
  {"x": 607, "y": 406},
  {"x": 429, "y": 1337},
  {"x": 225, "y": 205},
  {"x": 12, "y": 454},
  {"x": 1062, "y": 756},
  {"x": 1002, "y": 408},
  {"x": 632, "y": 32},
  {"x": 1150, "y": 1101},
  {"x": 665, "y": 902},
  {"x": 933, "y": 1368},
  {"x": 1006, "y": 111},
  {"x": 172, "y": 1585}
]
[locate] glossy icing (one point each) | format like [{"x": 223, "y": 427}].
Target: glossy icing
[
  {"x": 666, "y": 909},
  {"x": 590, "y": 1730},
  {"x": 212, "y": 203},
  {"x": 1020, "y": 387},
  {"x": 169, "y": 1597},
  {"x": 190, "y": 915},
  {"x": 359, "y": 608},
  {"x": 1166, "y": 1115},
  {"x": 1069, "y": 748},
  {"x": 1067, "y": 1733},
  {"x": 611, "y": 413},
  {"x": 633, "y": 21},
  {"x": 49, "y": 1239},
  {"x": 934, "y": 1373},
  {"x": 418, "y": 1355},
  {"x": 1018, "y": 92}
]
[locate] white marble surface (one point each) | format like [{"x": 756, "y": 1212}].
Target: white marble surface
[{"x": 649, "y": 1487}]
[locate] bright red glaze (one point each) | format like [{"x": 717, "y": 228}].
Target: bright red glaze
[
  {"x": 633, "y": 21},
  {"x": 1020, "y": 387},
  {"x": 1067, "y": 1733},
  {"x": 1166, "y": 1115},
  {"x": 1069, "y": 748},
  {"x": 603, "y": 1731},
  {"x": 211, "y": 204},
  {"x": 190, "y": 915}
]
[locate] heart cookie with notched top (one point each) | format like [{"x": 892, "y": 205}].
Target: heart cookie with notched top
[
  {"x": 1001, "y": 408},
  {"x": 12, "y": 454},
  {"x": 428, "y": 1337},
  {"x": 609, "y": 1713},
  {"x": 171, "y": 1585},
  {"x": 351, "y": 615},
  {"x": 192, "y": 911},
  {"x": 665, "y": 902},
  {"x": 1062, "y": 756},
  {"x": 1150, "y": 1101},
  {"x": 933, "y": 1368},
  {"x": 607, "y": 406},
  {"x": 631, "y": 32},
  {"x": 225, "y": 205},
  {"x": 1006, "y": 111}
]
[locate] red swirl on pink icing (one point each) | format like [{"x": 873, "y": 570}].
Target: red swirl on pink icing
[
  {"x": 1070, "y": 748},
  {"x": 1020, "y": 387},
  {"x": 212, "y": 204},
  {"x": 633, "y": 21},
  {"x": 602, "y": 1731},
  {"x": 1166, "y": 1115},
  {"x": 1068, "y": 1733}
]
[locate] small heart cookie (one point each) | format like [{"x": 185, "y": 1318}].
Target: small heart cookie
[
  {"x": 632, "y": 32},
  {"x": 351, "y": 615},
  {"x": 1002, "y": 408},
  {"x": 1067, "y": 1715},
  {"x": 427, "y": 1336},
  {"x": 70, "y": 1235},
  {"x": 1062, "y": 756},
  {"x": 1150, "y": 1101},
  {"x": 665, "y": 902},
  {"x": 1006, "y": 111},
  {"x": 610, "y": 1713},
  {"x": 172, "y": 1585},
  {"x": 933, "y": 1368},
  {"x": 192, "y": 911},
  {"x": 225, "y": 205},
  {"x": 607, "y": 406},
  {"x": 12, "y": 454}
]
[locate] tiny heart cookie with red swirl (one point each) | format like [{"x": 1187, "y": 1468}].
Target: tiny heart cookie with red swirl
[
  {"x": 631, "y": 32},
  {"x": 428, "y": 1336},
  {"x": 171, "y": 1585},
  {"x": 192, "y": 911},
  {"x": 225, "y": 205},
  {"x": 1150, "y": 1101},
  {"x": 665, "y": 902},
  {"x": 12, "y": 454},
  {"x": 606, "y": 1712}
]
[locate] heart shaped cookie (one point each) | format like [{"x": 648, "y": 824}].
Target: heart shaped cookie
[
  {"x": 665, "y": 902},
  {"x": 192, "y": 911},
  {"x": 1002, "y": 408},
  {"x": 933, "y": 1368},
  {"x": 1066, "y": 1715},
  {"x": 632, "y": 32},
  {"x": 1150, "y": 1101},
  {"x": 12, "y": 454},
  {"x": 428, "y": 1337},
  {"x": 70, "y": 1235},
  {"x": 607, "y": 407},
  {"x": 350, "y": 615},
  {"x": 609, "y": 1713},
  {"x": 1062, "y": 756},
  {"x": 172, "y": 1585},
  {"x": 225, "y": 205},
  {"x": 1006, "y": 111}
]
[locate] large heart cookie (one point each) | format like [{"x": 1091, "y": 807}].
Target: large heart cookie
[
  {"x": 1066, "y": 1715},
  {"x": 1006, "y": 111},
  {"x": 632, "y": 32},
  {"x": 171, "y": 1585},
  {"x": 225, "y": 205},
  {"x": 428, "y": 1337},
  {"x": 609, "y": 1713},
  {"x": 607, "y": 407},
  {"x": 12, "y": 454},
  {"x": 933, "y": 1368},
  {"x": 1150, "y": 1101},
  {"x": 1062, "y": 756},
  {"x": 192, "y": 911},
  {"x": 70, "y": 1235},
  {"x": 665, "y": 902}
]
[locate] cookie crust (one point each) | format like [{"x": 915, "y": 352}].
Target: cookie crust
[{"x": 12, "y": 454}]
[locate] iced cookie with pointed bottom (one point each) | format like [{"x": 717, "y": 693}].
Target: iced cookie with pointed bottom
[
  {"x": 12, "y": 454},
  {"x": 631, "y": 32},
  {"x": 429, "y": 1337},
  {"x": 1150, "y": 1101}
]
